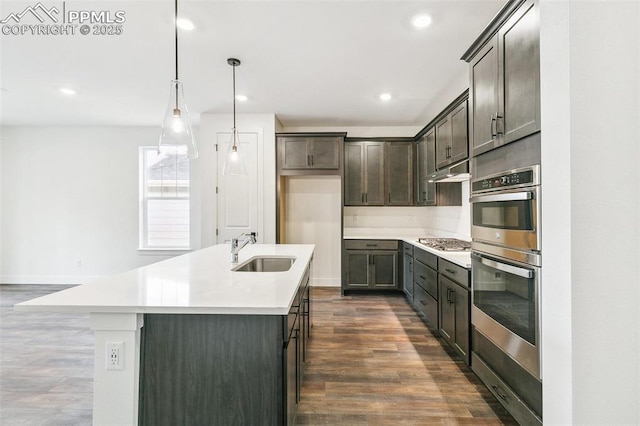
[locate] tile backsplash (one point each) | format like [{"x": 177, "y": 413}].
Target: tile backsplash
[{"x": 436, "y": 221}]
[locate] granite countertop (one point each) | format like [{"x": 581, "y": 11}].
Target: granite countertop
[
  {"x": 200, "y": 282},
  {"x": 411, "y": 236}
]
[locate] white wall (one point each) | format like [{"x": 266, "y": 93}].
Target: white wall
[
  {"x": 70, "y": 202},
  {"x": 313, "y": 211},
  {"x": 590, "y": 65}
]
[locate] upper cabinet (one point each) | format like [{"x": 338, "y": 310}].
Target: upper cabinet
[
  {"x": 309, "y": 151},
  {"x": 364, "y": 174},
  {"x": 504, "y": 88},
  {"x": 426, "y": 153},
  {"x": 452, "y": 142},
  {"x": 399, "y": 173},
  {"x": 378, "y": 173}
]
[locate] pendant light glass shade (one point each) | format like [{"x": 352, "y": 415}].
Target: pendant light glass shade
[
  {"x": 176, "y": 132},
  {"x": 233, "y": 163}
]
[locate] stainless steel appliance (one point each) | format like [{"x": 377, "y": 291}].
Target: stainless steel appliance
[
  {"x": 505, "y": 209},
  {"x": 506, "y": 261}
]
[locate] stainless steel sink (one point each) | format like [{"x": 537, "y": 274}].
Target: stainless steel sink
[{"x": 266, "y": 264}]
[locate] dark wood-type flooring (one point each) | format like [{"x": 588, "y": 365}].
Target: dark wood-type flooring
[{"x": 372, "y": 361}]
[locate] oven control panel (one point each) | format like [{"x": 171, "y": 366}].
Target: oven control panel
[{"x": 513, "y": 178}]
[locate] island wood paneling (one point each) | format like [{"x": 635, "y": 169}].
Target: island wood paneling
[{"x": 212, "y": 370}]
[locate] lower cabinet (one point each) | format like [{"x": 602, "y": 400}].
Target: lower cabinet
[
  {"x": 455, "y": 309},
  {"x": 407, "y": 271},
  {"x": 371, "y": 265}
]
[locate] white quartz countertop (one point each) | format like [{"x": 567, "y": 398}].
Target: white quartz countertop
[
  {"x": 460, "y": 258},
  {"x": 200, "y": 282}
]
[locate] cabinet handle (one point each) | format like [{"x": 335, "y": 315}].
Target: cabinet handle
[
  {"x": 311, "y": 160},
  {"x": 308, "y": 160},
  {"x": 423, "y": 277},
  {"x": 372, "y": 245},
  {"x": 498, "y": 132},
  {"x": 423, "y": 303},
  {"x": 363, "y": 198},
  {"x": 389, "y": 198},
  {"x": 451, "y": 271},
  {"x": 497, "y": 391},
  {"x": 494, "y": 133}
]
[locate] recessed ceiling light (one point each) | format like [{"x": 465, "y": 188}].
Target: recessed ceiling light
[
  {"x": 185, "y": 24},
  {"x": 385, "y": 96},
  {"x": 421, "y": 21},
  {"x": 67, "y": 91},
  {"x": 241, "y": 98}
]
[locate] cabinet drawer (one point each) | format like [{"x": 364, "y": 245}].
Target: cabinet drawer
[
  {"x": 431, "y": 260},
  {"x": 426, "y": 278},
  {"x": 371, "y": 244},
  {"x": 503, "y": 393},
  {"x": 407, "y": 249},
  {"x": 455, "y": 272},
  {"x": 426, "y": 305}
]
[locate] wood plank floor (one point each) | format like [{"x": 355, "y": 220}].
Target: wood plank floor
[{"x": 372, "y": 361}]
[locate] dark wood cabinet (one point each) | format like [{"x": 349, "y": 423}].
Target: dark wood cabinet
[
  {"x": 407, "y": 271},
  {"x": 364, "y": 174},
  {"x": 452, "y": 142},
  {"x": 455, "y": 307},
  {"x": 371, "y": 265},
  {"x": 426, "y": 153},
  {"x": 425, "y": 279},
  {"x": 379, "y": 173},
  {"x": 399, "y": 173},
  {"x": 505, "y": 80},
  {"x": 310, "y": 152}
]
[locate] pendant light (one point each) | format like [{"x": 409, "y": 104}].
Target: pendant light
[
  {"x": 176, "y": 134},
  {"x": 233, "y": 164}
]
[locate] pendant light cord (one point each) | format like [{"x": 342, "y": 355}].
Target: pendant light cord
[
  {"x": 234, "y": 96},
  {"x": 175, "y": 23}
]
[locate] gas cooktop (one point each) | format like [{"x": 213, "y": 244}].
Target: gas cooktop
[{"x": 446, "y": 244}]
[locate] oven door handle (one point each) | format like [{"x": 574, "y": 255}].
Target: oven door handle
[
  {"x": 512, "y": 196},
  {"x": 521, "y": 272}
]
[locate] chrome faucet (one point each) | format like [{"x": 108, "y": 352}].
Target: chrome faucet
[{"x": 239, "y": 242}]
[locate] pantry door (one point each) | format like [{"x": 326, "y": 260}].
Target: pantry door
[{"x": 238, "y": 196}]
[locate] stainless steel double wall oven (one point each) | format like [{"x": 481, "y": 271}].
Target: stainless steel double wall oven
[{"x": 506, "y": 261}]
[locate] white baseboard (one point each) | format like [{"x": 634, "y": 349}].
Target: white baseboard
[
  {"x": 46, "y": 279},
  {"x": 325, "y": 282}
]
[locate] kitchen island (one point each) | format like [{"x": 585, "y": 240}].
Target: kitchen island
[{"x": 189, "y": 341}]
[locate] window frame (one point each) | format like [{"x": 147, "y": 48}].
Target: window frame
[{"x": 143, "y": 229}]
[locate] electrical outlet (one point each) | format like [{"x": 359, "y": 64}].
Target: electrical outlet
[{"x": 114, "y": 355}]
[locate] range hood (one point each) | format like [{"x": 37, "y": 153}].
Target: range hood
[{"x": 458, "y": 172}]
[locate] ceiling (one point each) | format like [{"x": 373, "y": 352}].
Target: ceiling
[{"x": 312, "y": 63}]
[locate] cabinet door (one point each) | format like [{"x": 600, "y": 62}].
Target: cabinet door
[
  {"x": 291, "y": 369},
  {"x": 384, "y": 273},
  {"x": 421, "y": 171},
  {"x": 430, "y": 187},
  {"x": 357, "y": 269},
  {"x": 399, "y": 173},
  {"x": 446, "y": 301},
  {"x": 519, "y": 39},
  {"x": 354, "y": 174},
  {"x": 407, "y": 276},
  {"x": 459, "y": 136},
  {"x": 374, "y": 173},
  {"x": 461, "y": 330},
  {"x": 484, "y": 97},
  {"x": 443, "y": 142},
  {"x": 325, "y": 153},
  {"x": 295, "y": 153}
]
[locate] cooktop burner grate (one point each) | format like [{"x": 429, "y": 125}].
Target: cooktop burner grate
[{"x": 446, "y": 244}]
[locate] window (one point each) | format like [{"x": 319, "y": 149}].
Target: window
[{"x": 164, "y": 199}]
